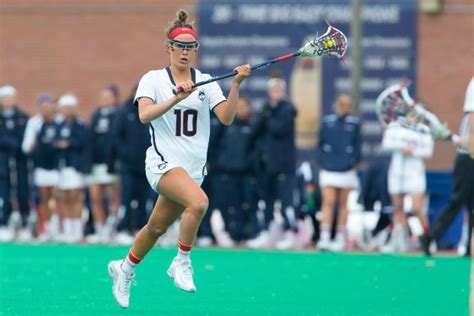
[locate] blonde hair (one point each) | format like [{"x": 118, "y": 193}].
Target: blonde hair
[{"x": 180, "y": 21}]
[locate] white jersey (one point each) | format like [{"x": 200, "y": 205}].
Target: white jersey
[
  {"x": 398, "y": 136},
  {"x": 180, "y": 137}
]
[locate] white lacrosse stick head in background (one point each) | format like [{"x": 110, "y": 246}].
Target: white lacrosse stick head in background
[{"x": 395, "y": 101}]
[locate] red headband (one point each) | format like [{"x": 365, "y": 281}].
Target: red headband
[{"x": 182, "y": 30}]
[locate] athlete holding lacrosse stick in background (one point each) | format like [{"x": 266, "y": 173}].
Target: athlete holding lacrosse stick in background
[
  {"x": 179, "y": 120},
  {"x": 410, "y": 141}
]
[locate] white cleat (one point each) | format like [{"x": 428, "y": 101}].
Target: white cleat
[
  {"x": 124, "y": 239},
  {"x": 121, "y": 283},
  {"x": 24, "y": 235},
  {"x": 6, "y": 234},
  {"x": 259, "y": 242},
  {"x": 324, "y": 244},
  {"x": 288, "y": 241},
  {"x": 204, "y": 242},
  {"x": 181, "y": 272},
  {"x": 338, "y": 245}
]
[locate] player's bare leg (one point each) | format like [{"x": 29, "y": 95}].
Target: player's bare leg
[
  {"x": 327, "y": 208},
  {"x": 397, "y": 241},
  {"x": 179, "y": 194},
  {"x": 418, "y": 208},
  {"x": 340, "y": 241},
  {"x": 178, "y": 186},
  {"x": 72, "y": 211}
]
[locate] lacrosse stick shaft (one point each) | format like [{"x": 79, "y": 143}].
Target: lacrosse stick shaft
[{"x": 255, "y": 67}]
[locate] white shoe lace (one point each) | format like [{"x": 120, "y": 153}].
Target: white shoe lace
[
  {"x": 187, "y": 270},
  {"x": 125, "y": 283}
]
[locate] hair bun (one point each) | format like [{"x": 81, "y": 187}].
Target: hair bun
[{"x": 182, "y": 16}]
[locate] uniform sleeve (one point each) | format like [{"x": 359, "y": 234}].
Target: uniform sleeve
[
  {"x": 146, "y": 88},
  {"x": 215, "y": 95},
  {"x": 31, "y": 131},
  {"x": 469, "y": 101},
  {"x": 391, "y": 139}
]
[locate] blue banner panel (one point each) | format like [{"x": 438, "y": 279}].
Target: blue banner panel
[{"x": 238, "y": 32}]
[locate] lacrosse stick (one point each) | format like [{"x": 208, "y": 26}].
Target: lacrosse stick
[
  {"x": 331, "y": 43},
  {"x": 395, "y": 101}
]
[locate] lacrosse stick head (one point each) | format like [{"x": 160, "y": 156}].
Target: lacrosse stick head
[
  {"x": 331, "y": 43},
  {"x": 395, "y": 102}
]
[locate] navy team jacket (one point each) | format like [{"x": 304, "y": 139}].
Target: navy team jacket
[
  {"x": 101, "y": 137},
  {"x": 236, "y": 153},
  {"x": 275, "y": 129},
  {"x": 131, "y": 139},
  {"x": 75, "y": 156},
  {"x": 339, "y": 143},
  {"x": 12, "y": 129}
]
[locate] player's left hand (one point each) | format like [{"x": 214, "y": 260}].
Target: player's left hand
[{"x": 242, "y": 73}]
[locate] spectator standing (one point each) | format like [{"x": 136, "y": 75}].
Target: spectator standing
[
  {"x": 103, "y": 183},
  {"x": 339, "y": 153},
  {"x": 276, "y": 129},
  {"x": 131, "y": 140},
  {"x": 14, "y": 173},
  {"x": 38, "y": 142},
  {"x": 237, "y": 159},
  {"x": 71, "y": 144}
]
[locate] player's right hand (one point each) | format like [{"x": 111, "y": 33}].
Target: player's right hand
[{"x": 184, "y": 89}]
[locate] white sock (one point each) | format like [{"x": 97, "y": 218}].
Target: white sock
[
  {"x": 464, "y": 234},
  {"x": 67, "y": 226},
  {"x": 127, "y": 266},
  {"x": 99, "y": 228},
  {"x": 77, "y": 228},
  {"x": 341, "y": 232},
  {"x": 325, "y": 232}
]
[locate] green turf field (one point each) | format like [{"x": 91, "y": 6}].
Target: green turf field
[{"x": 73, "y": 280}]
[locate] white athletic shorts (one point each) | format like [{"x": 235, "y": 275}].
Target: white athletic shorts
[
  {"x": 99, "y": 175},
  {"x": 44, "y": 178},
  {"x": 70, "y": 179},
  {"x": 406, "y": 183},
  {"x": 154, "y": 174},
  {"x": 341, "y": 180}
]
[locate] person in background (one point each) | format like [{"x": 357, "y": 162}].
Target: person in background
[
  {"x": 339, "y": 152},
  {"x": 71, "y": 145},
  {"x": 103, "y": 183},
  {"x": 237, "y": 159},
  {"x": 276, "y": 129},
  {"x": 38, "y": 143},
  {"x": 13, "y": 121},
  {"x": 130, "y": 140},
  {"x": 410, "y": 142},
  {"x": 212, "y": 186},
  {"x": 463, "y": 193}
]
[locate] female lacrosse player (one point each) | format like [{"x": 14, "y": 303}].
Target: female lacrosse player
[
  {"x": 175, "y": 162},
  {"x": 410, "y": 142}
]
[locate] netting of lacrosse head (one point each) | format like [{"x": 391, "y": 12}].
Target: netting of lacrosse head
[
  {"x": 331, "y": 43},
  {"x": 437, "y": 128},
  {"x": 392, "y": 103},
  {"x": 395, "y": 101}
]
